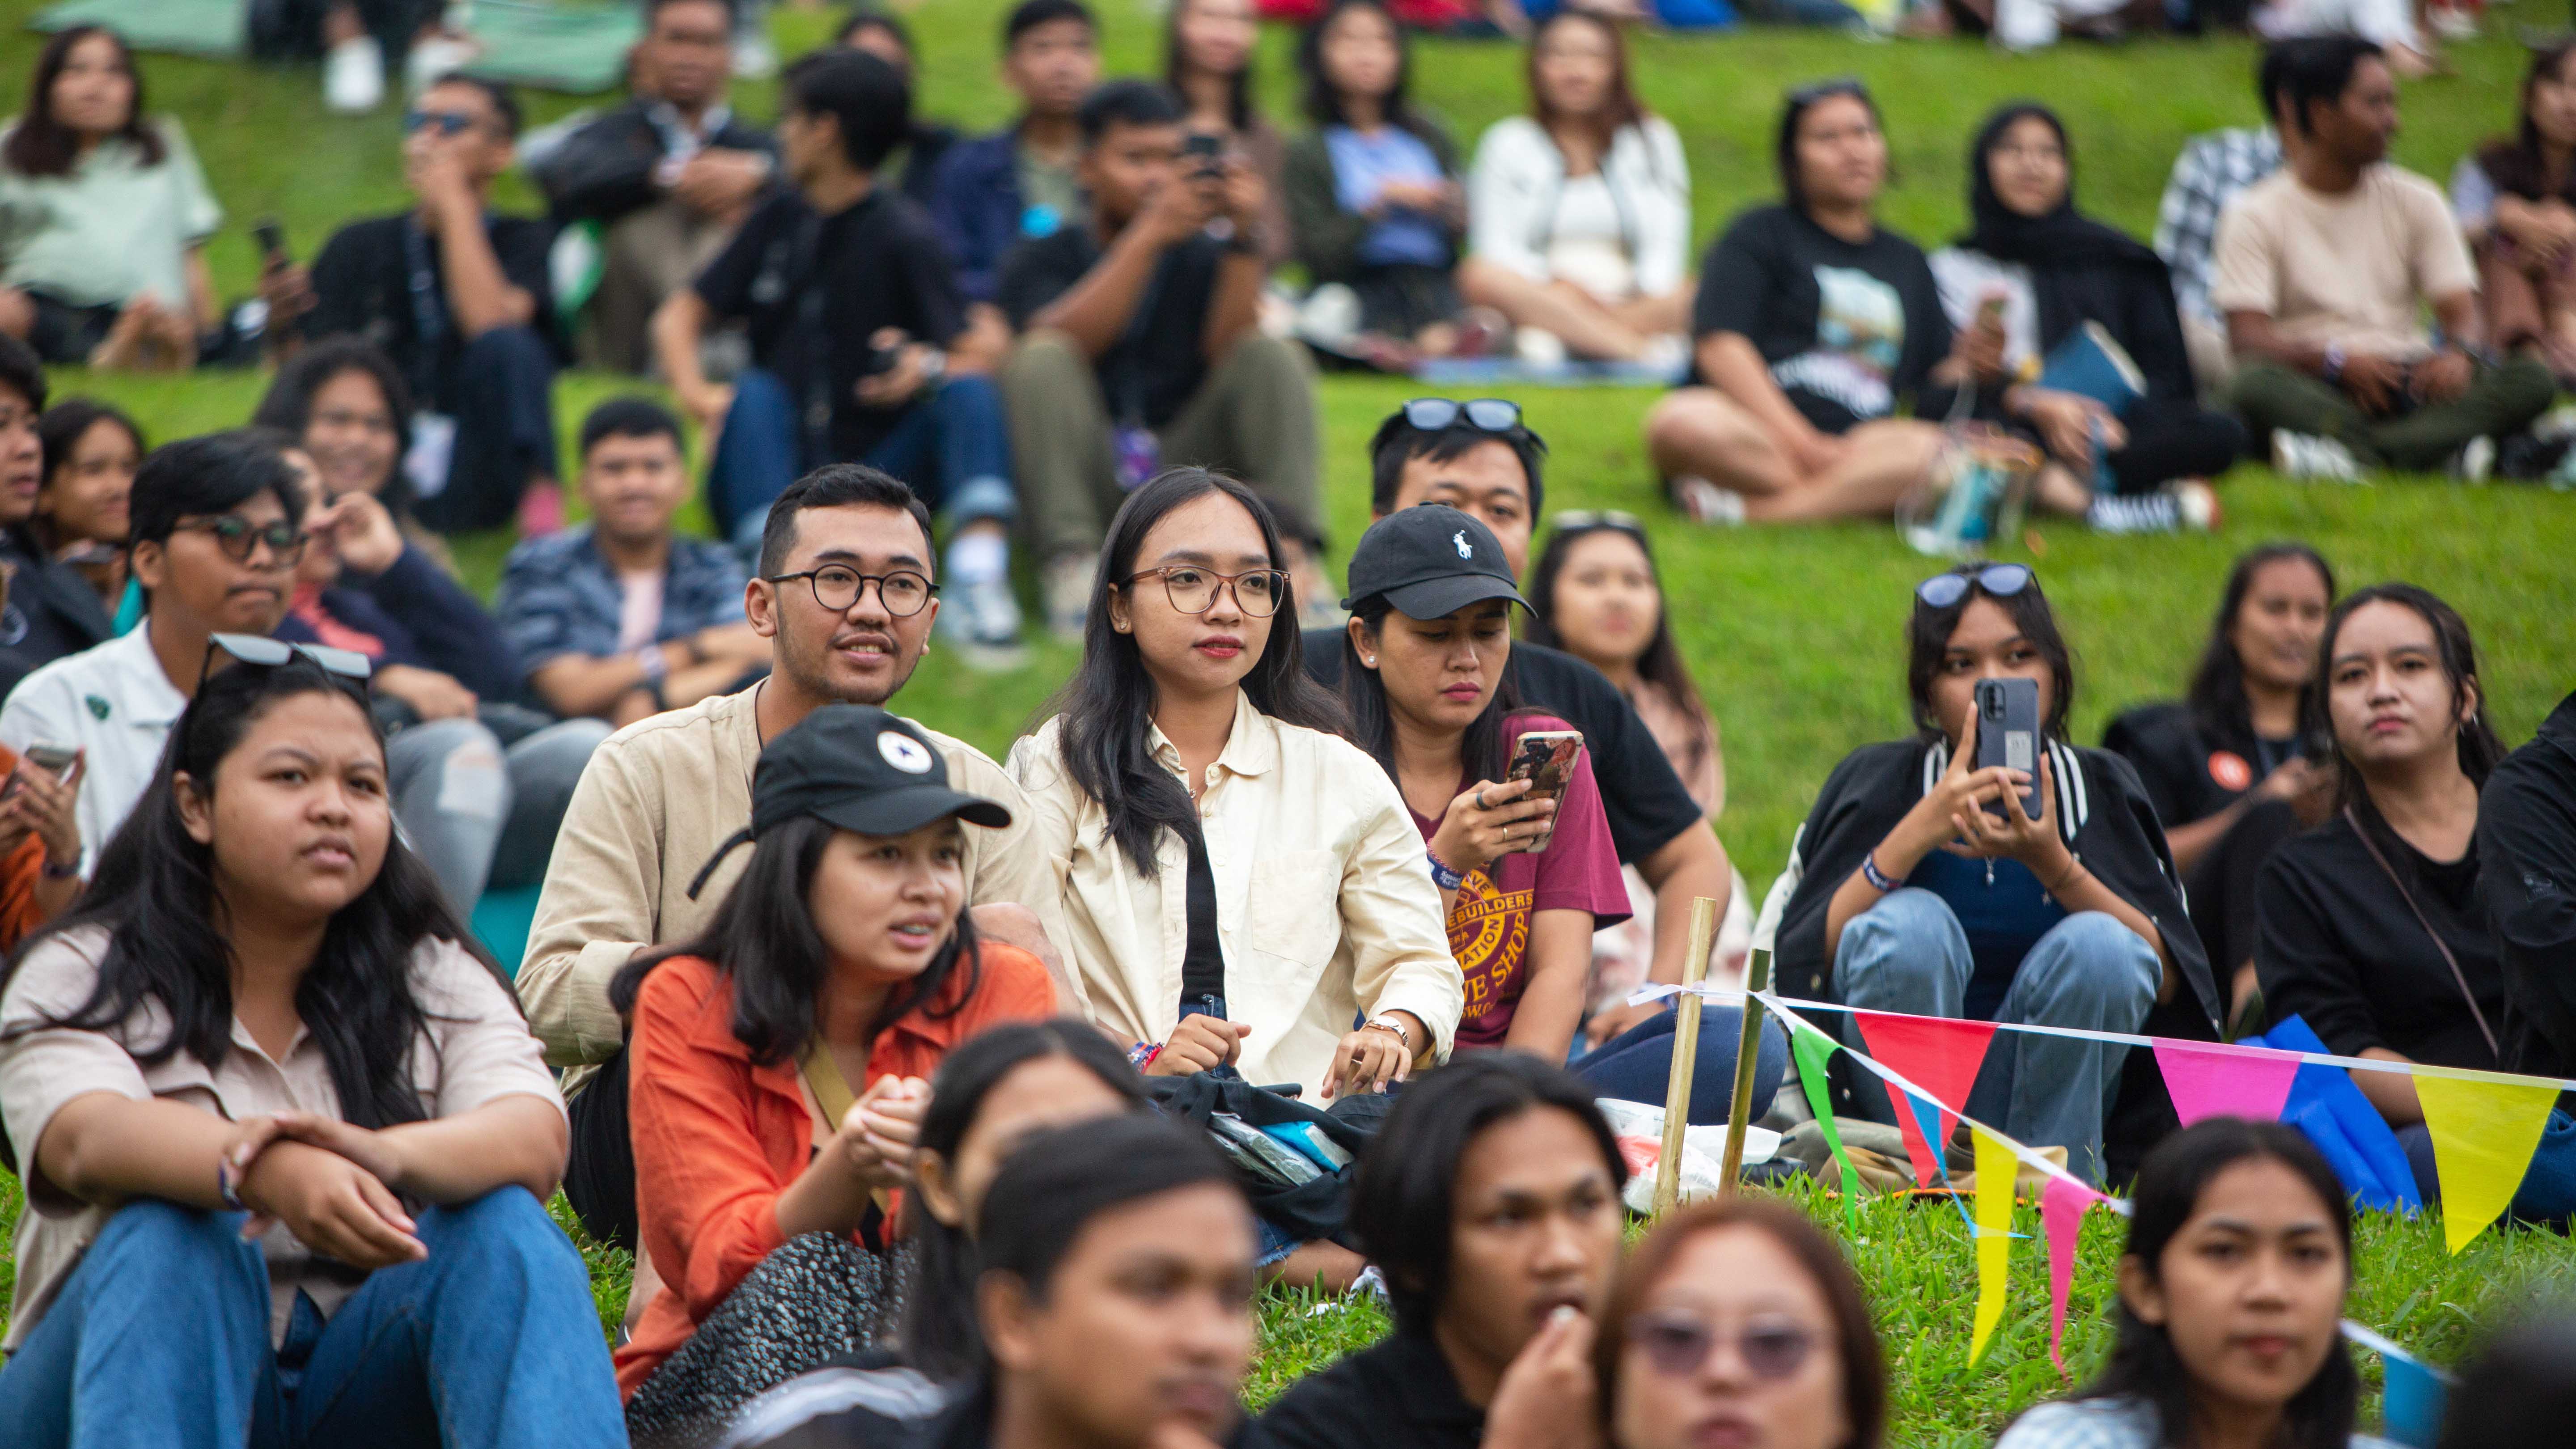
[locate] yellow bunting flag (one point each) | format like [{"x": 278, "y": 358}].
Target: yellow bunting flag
[
  {"x": 2484, "y": 1133},
  {"x": 1996, "y": 1169}
]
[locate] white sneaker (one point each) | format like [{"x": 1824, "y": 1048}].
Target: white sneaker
[
  {"x": 980, "y": 621},
  {"x": 2476, "y": 460},
  {"x": 1538, "y": 348},
  {"x": 1067, "y": 587},
  {"x": 2452, "y": 22},
  {"x": 353, "y": 76},
  {"x": 435, "y": 59},
  {"x": 1701, "y": 501},
  {"x": 2308, "y": 458}
]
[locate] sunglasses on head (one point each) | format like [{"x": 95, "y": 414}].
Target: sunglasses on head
[
  {"x": 2000, "y": 580},
  {"x": 448, "y": 123},
  {"x": 267, "y": 653},
  {"x": 1678, "y": 1344},
  {"x": 1487, "y": 414}
]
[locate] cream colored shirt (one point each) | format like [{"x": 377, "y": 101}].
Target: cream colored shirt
[
  {"x": 1324, "y": 900},
  {"x": 655, "y": 801},
  {"x": 2355, "y": 270},
  {"x": 476, "y": 1051}
]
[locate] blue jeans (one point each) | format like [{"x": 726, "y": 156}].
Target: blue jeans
[
  {"x": 1637, "y": 1064},
  {"x": 952, "y": 445},
  {"x": 1908, "y": 954},
  {"x": 160, "y": 1340}
]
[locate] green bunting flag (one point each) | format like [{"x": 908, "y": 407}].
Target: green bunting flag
[{"x": 1813, "y": 1049}]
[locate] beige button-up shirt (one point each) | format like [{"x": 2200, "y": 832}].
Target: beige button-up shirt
[
  {"x": 1324, "y": 898},
  {"x": 655, "y": 801},
  {"x": 476, "y": 1050}
]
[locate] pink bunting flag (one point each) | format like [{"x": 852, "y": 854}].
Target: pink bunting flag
[
  {"x": 1939, "y": 1055},
  {"x": 2061, "y": 1215},
  {"x": 2209, "y": 1080}
]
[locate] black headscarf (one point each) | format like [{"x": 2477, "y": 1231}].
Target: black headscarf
[{"x": 2065, "y": 236}]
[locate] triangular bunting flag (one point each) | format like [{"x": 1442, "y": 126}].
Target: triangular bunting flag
[
  {"x": 1996, "y": 1168},
  {"x": 1941, "y": 1056},
  {"x": 2411, "y": 1409},
  {"x": 2061, "y": 1217},
  {"x": 2484, "y": 1133},
  {"x": 1813, "y": 1050},
  {"x": 2208, "y": 1080}
]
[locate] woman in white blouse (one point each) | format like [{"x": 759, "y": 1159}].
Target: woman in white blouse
[
  {"x": 1578, "y": 215},
  {"x": 1240, "y": 884}
]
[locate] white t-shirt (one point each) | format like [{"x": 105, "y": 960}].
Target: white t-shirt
[
  {"x": 2355, "y": 269},
  {"x": 112, "y": 702}
]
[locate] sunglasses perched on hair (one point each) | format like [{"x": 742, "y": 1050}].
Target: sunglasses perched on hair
[
  {"x": 1678, "y": 1344},
  {"x": 239, "y": 538},
  {"x": 1487, "y": 414},
  {"x": 1575, "y": 520},
  {"x": 1999, "y": 580},
  {"x": 446, "y": 123},
  {"x": 267, "y": 653}
]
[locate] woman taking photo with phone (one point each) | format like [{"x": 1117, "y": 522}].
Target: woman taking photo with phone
[
  {"x": 776, "y": 1064},
  {"x": 1239, "y": 883},
  {"x": 285, "y": 1135},
  {"x": 1208, "y": 50},
  {"x": 1936, "y": 881},
  {"x": 1525, "y": 865}
]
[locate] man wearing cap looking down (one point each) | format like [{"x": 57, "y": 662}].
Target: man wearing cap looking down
[{"x": 845, "y": 595}]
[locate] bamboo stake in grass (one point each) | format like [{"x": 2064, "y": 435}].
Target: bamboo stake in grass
[
  {"x": 1748, "y": 1047},
  {"x": 1668, "y": 1171}
]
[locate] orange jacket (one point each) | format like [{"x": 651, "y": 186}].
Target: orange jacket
[{"x": 718, "y": 1137}]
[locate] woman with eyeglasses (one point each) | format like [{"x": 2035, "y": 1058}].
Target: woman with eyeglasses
[
  {"x": 286, "y": 1135},
  {"x": 1813, "y": 324},
  {"x": 104, "y": 217},
  {"x": 1239, "y": 883},
  {"x": 2232, "y": 1287},
  {"x": 1934, "y": 884},
  {"x": 2023, "y": 287},
  {"x": 1596, "y": 594},
  {"x": 1737, "y": 1321}
]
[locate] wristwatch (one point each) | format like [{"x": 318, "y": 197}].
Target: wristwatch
[{"x": 1388, "y": 1024}]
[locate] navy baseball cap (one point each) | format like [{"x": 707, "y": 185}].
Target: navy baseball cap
[{"x": 1430, "y": 561}]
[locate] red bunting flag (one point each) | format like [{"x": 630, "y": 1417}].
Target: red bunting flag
[
  {"x": 1938, "y": 1054},
  {"x": 2208, "y": 1080}
]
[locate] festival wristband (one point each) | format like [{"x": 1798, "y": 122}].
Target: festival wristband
[
  {"x": 1142, "y": 1054},
  {"x": 1442, "y": 876},
  {"x": 1877, "y": 878}
]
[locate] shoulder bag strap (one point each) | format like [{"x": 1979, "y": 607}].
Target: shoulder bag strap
[{"x": 2458, "y": 977}]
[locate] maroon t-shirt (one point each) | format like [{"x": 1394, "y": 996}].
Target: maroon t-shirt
[{"x": 1489, "y": 929}]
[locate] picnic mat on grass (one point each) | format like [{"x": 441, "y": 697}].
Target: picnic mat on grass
[{"x": 578, "y": 48}]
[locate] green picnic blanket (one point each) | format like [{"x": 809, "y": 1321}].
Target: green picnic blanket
[{"x": 576, "y": 47}]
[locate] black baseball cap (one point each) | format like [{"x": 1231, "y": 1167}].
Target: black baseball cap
[
  {"x": 859, "y": 768},
  {"x": 1430, "y": 560}
]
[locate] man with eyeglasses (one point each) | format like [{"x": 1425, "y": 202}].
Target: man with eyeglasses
[
  {"x": 621, "y": 618},
  {"x": 217, "y": 534},
  {"x": 1481, "y": 458},
  {"x": 845, "y": 599},
  {"x": 47, "y": 610},
  {"x": 458, "y": 295}
]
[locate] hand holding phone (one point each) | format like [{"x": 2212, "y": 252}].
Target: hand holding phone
[
  {"x": 1546, "y": 759},
  {"x": 2008, "y": 735}
]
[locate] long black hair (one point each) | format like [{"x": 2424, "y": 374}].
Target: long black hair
[
  {"x": 2480, "y": 748},
  {"x": 1927, "y": 639},
  {"x": 2520, "y": 166},
  {"x": 1793, "y": 113},
  {"x": 153, "y": 893},
  {"x": 2218, "y": 699},
  {"x": 940, "y": 1335},
  {"x": 40, "y": 145},
  {"x": 762, "y": 939},
  {"x": 1240, "y": 111},
  {"x": 1661, "y": 664},
  {"x": 288, "y": 405},
  {"x": 1108, "y": 705},
  {"x": 1324, "y": 103},
  {"x": 2144, "y": 1365},
  {"x": 1480, "y": 751}
]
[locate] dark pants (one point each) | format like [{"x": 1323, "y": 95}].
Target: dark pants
[
  {"x": 953, "y": 446},
  {"x": 2500, "y": 402},
  {"x": 1637, "y": 1064},
  {"x": 2221, "y": 885},
  {"x": 599, "y": 1177},
  {"x": 503, "y": 400}
]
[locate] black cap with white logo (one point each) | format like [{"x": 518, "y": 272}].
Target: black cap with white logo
[
  {"x": 859, "y": 768},
  {"x": 1430, "y": 561}
]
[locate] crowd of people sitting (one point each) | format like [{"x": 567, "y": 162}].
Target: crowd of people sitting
[{"x": 945, "y": 1100}]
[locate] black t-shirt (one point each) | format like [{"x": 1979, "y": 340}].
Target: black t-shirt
[
  {"x": 881, "y": 264},
  {"x": 1399, "y": 1394},
  {"x": 2338, "y": 946},
  {"x": 1849, "y": 330},
  {"x": 2190, "y": 770},
  {"x": 1149, "y": 374},
  {"x": 1645, "y": 801},
  {"x": 364, "y": 283},
  {"x": 2527, "y": 836}
]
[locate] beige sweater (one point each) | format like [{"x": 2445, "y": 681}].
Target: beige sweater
[{"x": 656, "y": 800}]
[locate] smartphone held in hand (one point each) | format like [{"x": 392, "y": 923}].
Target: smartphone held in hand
[
  {"x": 1546, "y": 759},
  {"x": 2008, "y": 734}
]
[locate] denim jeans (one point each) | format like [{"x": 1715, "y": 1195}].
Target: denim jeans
[
  {"x": 1637, "y": 1064},
  {"x": 543, "y": 769},
  {"x": 160, "y": 1340},
  {"x": 952, "y": 445},
  {"x": 451, "y": 794},
  {"x": 1908, "y": 954}
]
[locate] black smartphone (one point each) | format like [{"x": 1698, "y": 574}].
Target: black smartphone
[
  {"x": 2008, "y": 733},
  {"x": 270, "y": 233},
  {"x": 1204, "y": 154}
]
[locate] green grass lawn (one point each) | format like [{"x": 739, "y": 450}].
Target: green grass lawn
[{"x": 1794, "y": 636}]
